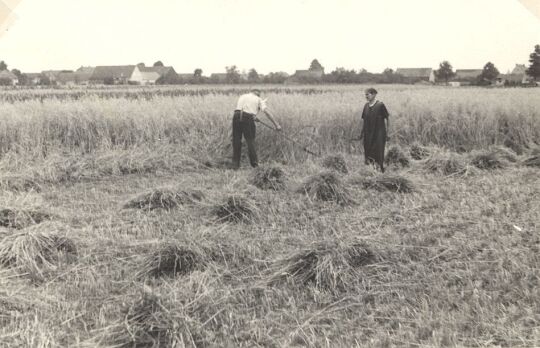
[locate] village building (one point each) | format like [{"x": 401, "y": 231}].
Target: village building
[
  {"x": 8, "y": 78},
  {"x": 154, "y": 75},
  {"x": 112, "y": 75},
  {"x": 306, "y": 76},
  {"x": 464, "y": 77},
  {"x": 33, "y": 79},
  {"x": 417, "y": 75}
]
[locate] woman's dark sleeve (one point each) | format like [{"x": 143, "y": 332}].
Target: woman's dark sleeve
[
  {"x": 363, "y": 112},
  {"x": 384, "y": 111}
]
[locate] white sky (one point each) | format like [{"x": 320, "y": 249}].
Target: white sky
[{"x": 269, "y": 35}]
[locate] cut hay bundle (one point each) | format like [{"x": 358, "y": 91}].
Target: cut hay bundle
[
  {"x": 533, "y": 161},
  {"x": 386, "y": 182},
  {"x": 330, "y": 266},
  {"x": 487, "y": 161},
  {"x": 269, "y": 178},
  {"x": 19, "y": 184},
  {"x": 326, "y": 186},
  {"x": 446, "y": 164},
  {"x": 513, "y": 145},
  {"x": 418, "y": 152},
  {"x": 164, "y": 198},
  {"x": 18, "y": 219},
  {"x": 34, "y": 252},
  {"x": 335, "y": 162},
  {"x": 395, "y": 156},
  {"x": 505, "y": 154},
  {"x": 147, "y": 322},
  {"x": 235, "y": 209},
  {"x": 171, "y": 260}
]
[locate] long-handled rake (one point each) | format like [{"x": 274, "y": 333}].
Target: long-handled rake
[{"x": 304, "y": 148}]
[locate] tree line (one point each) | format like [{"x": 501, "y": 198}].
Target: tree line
[{"x": 232, "y": 75}]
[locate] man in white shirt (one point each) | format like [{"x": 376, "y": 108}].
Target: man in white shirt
[{"x": 245, "y": 116}]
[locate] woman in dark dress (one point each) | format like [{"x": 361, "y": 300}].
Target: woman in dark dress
[{"x": 375, "y": 129}]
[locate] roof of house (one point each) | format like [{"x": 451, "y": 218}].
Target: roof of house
[
  {"x": 467, "y": 73},
  {"x": 66, "y": 77},
  {"x": 33, "y": 75},
  {"x": 513, "y": 77},
  {"x": 6, "y": 74},
  {"x": 150, "y": 75},
  {"x": 519, "y": 69},
  {"x": 414, "y": 72},
  {"x": 218, "y": 76},
  {"x": 309, "y": 73},
  {"x": 85, "y": 69},
  {"x": 186, "y": 75},
  {"x": 115, "y": 72}
]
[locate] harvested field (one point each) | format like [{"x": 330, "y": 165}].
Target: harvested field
[{"x": 287, "y": 255}]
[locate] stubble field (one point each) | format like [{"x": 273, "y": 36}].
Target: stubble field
[{"x": 121, "y": 225}]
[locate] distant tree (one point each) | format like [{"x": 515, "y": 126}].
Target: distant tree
[
  {"x": 197, "y": 73},
  {"x": 534, "y": 69},
  {"x": 445, "y": 72},
  {"x": 315, "y": 65},
  {"x": 253, "y": 76},
  {"x": 3, "y": 66},
  {"x": 158, "y": 63},
  {"x": 276, "y": 77},
  {"x": 20, "y": 76},
  {"x": 4, "y": 81},
  {"x": 45, "y": 80},
  {"x": 341, "y": 75},
  {"x": 489, "y": 72},
  {"x": 141, "y": 65},
  {"x": 233, "y": 74}
]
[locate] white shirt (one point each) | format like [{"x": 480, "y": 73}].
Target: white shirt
[{"x": 251, "y": 103}]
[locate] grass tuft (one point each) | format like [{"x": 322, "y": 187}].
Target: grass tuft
[
  {"x": 395, "y": 156},
  {"x": 418, "y": 152},
  {"x": 269, "y": 178},
  {"x": 35, "y": 252},
  {"x": 235, "y": 209},
  {"x": 445, "y": 163},
  {"x": 326, "y": 186},
  {"x": 387, "y": 182},
  {"x": 487, "y": 161},
  {"x": 171, "y": 260},
  {"x": 19, "y": 183},
  {"x": 335, "y": 162},
  {"x": 18, "y": 219},
  {"x": 164, "y": 198},
  {"x": 328, "y": 265},
  {"x": 533, "y": 161}
]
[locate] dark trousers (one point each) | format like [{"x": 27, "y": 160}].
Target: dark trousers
[{"x": 243, "y": 125}]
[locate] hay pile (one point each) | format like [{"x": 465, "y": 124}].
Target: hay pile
[
  {"x": 395, "y": 156},
  {"x": 487, "y": 161},
  {"x": 326, "y": 186},
  {"x": 418, "y": 152},
  {"x": 18, "y": 219},
  {"x": 335, "y": 162},
  {"x": 34, "y": 252},
  {"x": 235, "y": 209},
  {"x": 505, "y": 154},
  {"x": 164, "y": 198},
  {"x": 387, "y": 182},
  {"x": 446, "y": 164},
  {"x": 329, "y": 266},
  {"x": 533, "y": 161},
  {"x": 171, "y": 260},
  {"x": 19, "y": 184},
  {"x": 269, "y": 178}
]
